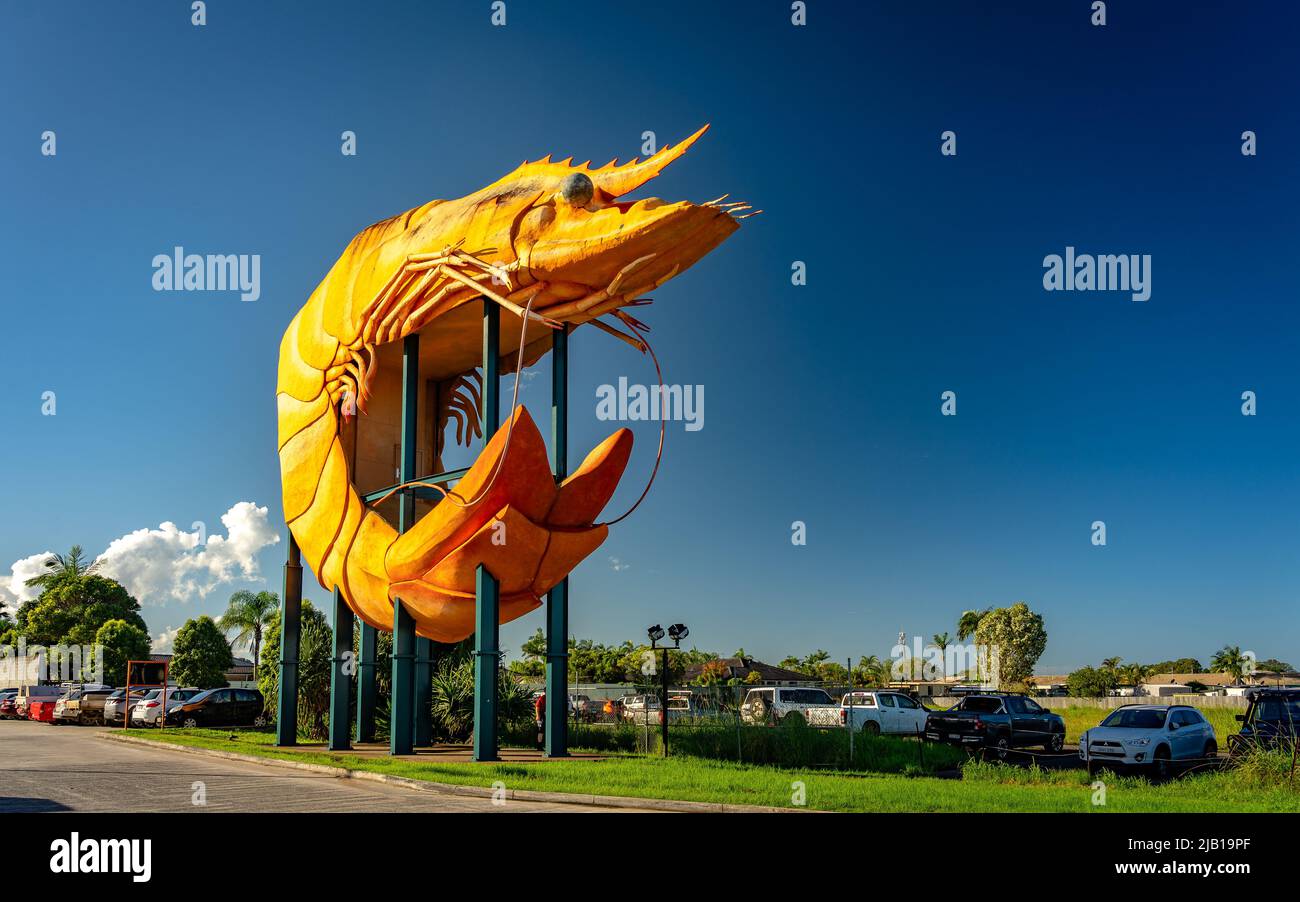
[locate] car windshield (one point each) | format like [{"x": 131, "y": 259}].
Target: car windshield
[
  {"x": 1282, "y": 710},
  {"x": 1136, "y": 719},
  {"x": 983, "y": 705},
  {"x": 201, "y": 695}
]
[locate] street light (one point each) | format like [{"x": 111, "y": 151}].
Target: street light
[{"x": 677, "y": 632}]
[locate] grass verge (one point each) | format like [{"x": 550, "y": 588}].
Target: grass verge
[{"x": 984, "y": 788}]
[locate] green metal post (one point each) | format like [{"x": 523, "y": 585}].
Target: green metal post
[
  {"x": 423, "y": 726},
  {"x": 486, "y": 658},
  {"x": 340, "y": 678},
  {"x": 367, "y": 672},
  {"x": 403, "y": 710},
  {"x": 486, "y": 587},
  {"x": 557, "y": 600},
  {"x": 286, "y": 718}
]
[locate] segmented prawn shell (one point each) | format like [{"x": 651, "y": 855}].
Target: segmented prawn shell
[{"x": 525, "y": 245}]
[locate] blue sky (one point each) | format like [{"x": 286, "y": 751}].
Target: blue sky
[{"x": 821, "y": 401}]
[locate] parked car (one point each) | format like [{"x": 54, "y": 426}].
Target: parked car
[
  {"x": 1152, "y": 737},
  {"x": 83, "y": 705},
  {"x": 91, "y": 705},
  {"x": 62, "y": 713},
  {"x": 640, "y": 708},
  {"x": 875, "y": 711},
  {"x": 148, "y": 711},
  {"x": 37, "y": 695},
  {"x": 782, "y": 704},
  {"x": 1272, "y": 718},
  {"x": 8, "y": 708},
  {"x": 997, "y": 723},
  {"x": 115, "y": 705},
  {"x": 220, "y": 708}
]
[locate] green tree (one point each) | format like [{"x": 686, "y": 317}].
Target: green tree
[
  {"x": 201, "y": 655},
  {"x": 1090, "y": 682},
  {"x": 1272, "y": 665},
  {"x": 871, "y": 671},
  {"x": 968, "y": 623},
  {"x": 250, "y": 613},
  {"x": 1180, "y": 665},
  {"x": 1111, "y": 664},
  {"x": 121, "y": 642},
  {"x": 1015, "y": 638},
  {"x": 1132, "y": 674},
  {"x": 942, "y": 641},
  {"x": 315, "y": 658},
  {"x": 1229, "y": 660},
  {"x": 73, "y": 605},
  {"x": 59, "y": 568}
]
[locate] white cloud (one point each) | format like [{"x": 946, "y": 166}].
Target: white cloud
[
  {"x": 618, "y": 566},
  {"x": 167, "y": 563},
  {"x": 162, "y": 643},
  {"x": 14, "y": 589}
]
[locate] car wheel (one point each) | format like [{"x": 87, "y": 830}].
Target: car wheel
[
  {"x": 1001, "y": 748},
  {"x": 259, "y": 720},
  {"x": 1211, "y": 751},
  {"x": 1055, "y": 742},
  {"x": 1160, "y": 764},
  {"x": 190, "y": 722},
  {"x": 871, "y": 728}
]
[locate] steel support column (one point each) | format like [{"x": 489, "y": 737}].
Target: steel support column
[
  {"x": 486, "y": 658},
  {"x": 423, "y": 725},
  {"x": 403, "y": 709},
  {"x": 486, "y": 588},
  {"x": 557, "y": 600},
  {"x": 340, "y": 679},
  {"x": 286, "y": 717},
  {"x": 367, "y": 672}
]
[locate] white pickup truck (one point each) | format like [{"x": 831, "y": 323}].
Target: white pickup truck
[{"x": 873, "y": 711}]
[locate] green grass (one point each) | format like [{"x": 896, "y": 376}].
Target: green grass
[{"x": 983, "y": 788}]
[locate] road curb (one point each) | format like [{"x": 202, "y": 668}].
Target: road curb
[{"x": 481, "y": 792}]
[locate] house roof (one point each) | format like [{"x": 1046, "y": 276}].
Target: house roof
[{"x": 1205, "y": 679}]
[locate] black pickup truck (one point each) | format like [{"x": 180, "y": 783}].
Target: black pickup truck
[{"x": 997, "y": 722}]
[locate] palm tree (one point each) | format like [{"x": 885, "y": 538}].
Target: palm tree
[
  {"x": 1111, "y": 664},
  {"x": 250, "y": 614},
  {"x": 59, "y": 568},
  {"x": 1229, "y": 659},
  {"x": 969, "y": 622},
  {"x": 941, "y": 642}
]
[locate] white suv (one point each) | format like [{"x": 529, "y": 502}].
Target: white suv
[
  {"x": 1149, "y": 736},
  {"x": 781, "y": 704}
]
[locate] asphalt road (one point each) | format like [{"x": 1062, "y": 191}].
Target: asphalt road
[{"x": 66, "y": 768}]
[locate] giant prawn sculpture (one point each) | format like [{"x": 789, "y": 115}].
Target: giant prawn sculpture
[{"x": 552, "y": 244}]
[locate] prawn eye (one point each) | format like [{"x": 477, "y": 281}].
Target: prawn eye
[{"x": 577, "y": 189}]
